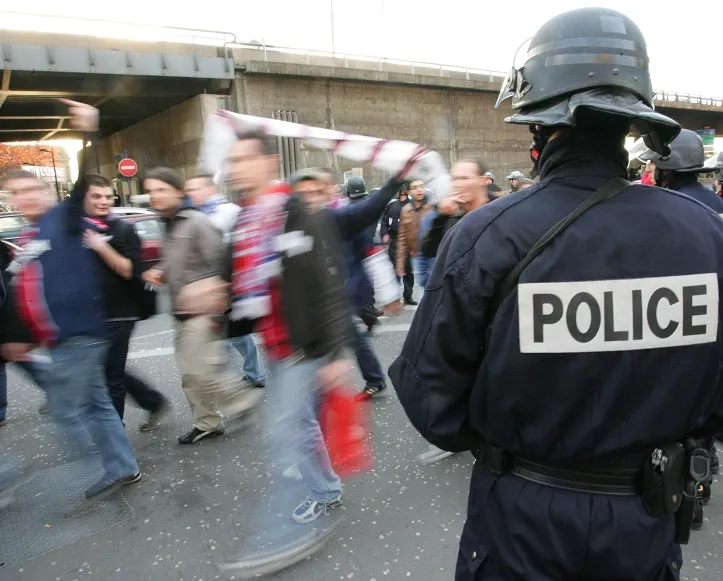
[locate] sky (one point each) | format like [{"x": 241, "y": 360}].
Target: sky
[{"x": 480, "y": 34}]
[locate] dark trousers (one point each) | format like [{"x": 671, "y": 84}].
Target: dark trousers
[
  {"x": 409, "y": 276},
  {"x": 517, "y": 530},
  {"x": 119, "y": 382},
  {"x": 369, "y": 365}
]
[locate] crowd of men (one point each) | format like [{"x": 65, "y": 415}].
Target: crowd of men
[{"x": 594, "y": 418}]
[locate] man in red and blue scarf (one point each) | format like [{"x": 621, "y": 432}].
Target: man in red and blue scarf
[{"x": 58, "y": 293}]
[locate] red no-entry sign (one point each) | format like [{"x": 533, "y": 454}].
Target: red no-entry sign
[{"x": 127, "y": 167}]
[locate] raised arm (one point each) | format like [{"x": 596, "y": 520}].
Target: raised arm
[{"x": 353, "y": 218}]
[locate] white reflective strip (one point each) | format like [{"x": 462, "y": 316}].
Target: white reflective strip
[
  {"x": 293, "y": 243},
  {"x": 251, "y": 308},
  {"x": 618, "y": 315}
]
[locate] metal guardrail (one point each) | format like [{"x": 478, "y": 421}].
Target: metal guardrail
[
  {"x": 228, "y": 40},
  {"x": 414, "y": 67},
  {"x": 378, "y": 61},
  {"x": 686, "y": 98},
  {"x": 89, "y": 27}
]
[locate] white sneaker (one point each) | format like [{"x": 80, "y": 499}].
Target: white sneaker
[{"x": 309, "y": 510}]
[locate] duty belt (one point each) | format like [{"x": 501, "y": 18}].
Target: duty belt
[{"x": 614, "y": 481}]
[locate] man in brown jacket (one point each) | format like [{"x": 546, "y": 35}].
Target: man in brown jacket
[
  {"x": 193, "y": 252},
  {"x": 408, "y": 239}
]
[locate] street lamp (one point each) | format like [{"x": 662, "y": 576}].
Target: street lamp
[{"x": 55, "y": 171}]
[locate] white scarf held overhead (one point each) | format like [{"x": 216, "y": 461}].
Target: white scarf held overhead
[{"x": 404, "y": 158}]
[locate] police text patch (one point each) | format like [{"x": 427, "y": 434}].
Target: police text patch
[{"x": 618, "y": 315}]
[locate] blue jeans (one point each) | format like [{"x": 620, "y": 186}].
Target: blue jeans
[
  {"x": 422, "y": 269},
  {"x": 369, "y": 365},
  {"x": 3, "y": 390},
  {"x": 36, "y": 371},
  {"x": 293, "y": 424},
  {"x": 79, "y": 401},
  {"x": 253, "y": 368}
]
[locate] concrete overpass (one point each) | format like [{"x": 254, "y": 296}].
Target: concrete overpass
[{"x": 153, "y": 97}]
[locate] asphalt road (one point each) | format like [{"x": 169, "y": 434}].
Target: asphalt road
[{"x": 402, "y": 519}]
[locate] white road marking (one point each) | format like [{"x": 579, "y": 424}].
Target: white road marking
[{"x": 165, "y": 351}]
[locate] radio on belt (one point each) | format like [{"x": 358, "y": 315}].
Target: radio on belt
[{"x": 618, "y": 315}]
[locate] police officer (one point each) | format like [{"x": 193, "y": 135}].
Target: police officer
[
  {"x": 389, "y": 230},
  {"x": 679, "y": 171},
  {"x": 567, "y": 376}
]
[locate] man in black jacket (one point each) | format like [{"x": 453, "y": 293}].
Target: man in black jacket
[
  {"x": 389, "y": 230},
  {"x": 118, "y": 248},
  {"x": 300, "y": 302}
]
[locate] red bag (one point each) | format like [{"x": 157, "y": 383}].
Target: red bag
[{"x": 344, "y": 426}]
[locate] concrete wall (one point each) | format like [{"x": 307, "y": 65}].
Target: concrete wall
[
  {"x": 171, "y": 138},
  {"x": 455, "y": 122}
]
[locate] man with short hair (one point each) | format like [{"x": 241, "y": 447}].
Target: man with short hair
[
  {"x": 203, "y": 195},
  {"x": 288, "y": 276},
  {"x": 193, "y": 253},
  {"x": 118, "y": 249},
  {"x": 469, "y": 192},
  {"x": 408, "y": 239},
  {"x": 69, "y": 319},
  {"x": 223, "y": 214},
  {"x": 31, "y": 197}
]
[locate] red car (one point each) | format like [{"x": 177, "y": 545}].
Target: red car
[{"x": 150, "y": 230}]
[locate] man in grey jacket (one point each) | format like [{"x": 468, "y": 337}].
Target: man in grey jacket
[
  {"x": 193, "y": 252},
  {"x": 223, "y": 214}
]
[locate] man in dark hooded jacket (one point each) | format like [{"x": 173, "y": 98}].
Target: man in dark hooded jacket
[{"x": 63, "y": 308}]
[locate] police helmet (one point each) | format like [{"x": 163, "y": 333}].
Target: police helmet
[
  {"x": 593, "y": 58},
  {"x": 715, "y": 162},
  {"x": 356, "y": 187},
  {"x": 489, "y": 174},
  {"x": 515, "y": 175},
  {"x": 686, "y": 154}
]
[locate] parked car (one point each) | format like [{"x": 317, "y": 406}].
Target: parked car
[
  {"x": 11, "y": 224},
  {"x": 150, "y": 231},
  {"x": 122, "y": 211}
]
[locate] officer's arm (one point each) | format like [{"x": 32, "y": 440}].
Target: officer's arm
[
  {"x": 384, "y": 225},
  {"x": 353, "y": 218},
  {"x": 441, "y": 357}
]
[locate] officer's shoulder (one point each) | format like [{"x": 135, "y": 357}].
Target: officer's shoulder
[{"x": 683, "y": 207}]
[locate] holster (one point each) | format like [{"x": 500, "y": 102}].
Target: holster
[{"x": 696, "y": 469}]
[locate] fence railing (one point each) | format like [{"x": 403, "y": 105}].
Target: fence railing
[
  {"x": 380, "y": 63},
  {"x": 677, "y": 97},
  {"x": 92, "y": 27}
]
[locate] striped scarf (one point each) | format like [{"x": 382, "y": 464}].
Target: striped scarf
[{"x": 255, "y": 260}]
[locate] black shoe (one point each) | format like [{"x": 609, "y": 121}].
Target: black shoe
[
  {"x": 195, "y": 435},
  {"x": 155, "y": 417},
  {"x": 258, "y": 384},
  {"x": 376, "y": 312},
  {"x": 714, "y": 464},
  {"x": 104, "y": 487},
  {"x": 368, "y": 317},
  {"x": 410, "y": 302},
  {"x": 370, "y": 391},
  {"x": 697, "y": 516}
]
